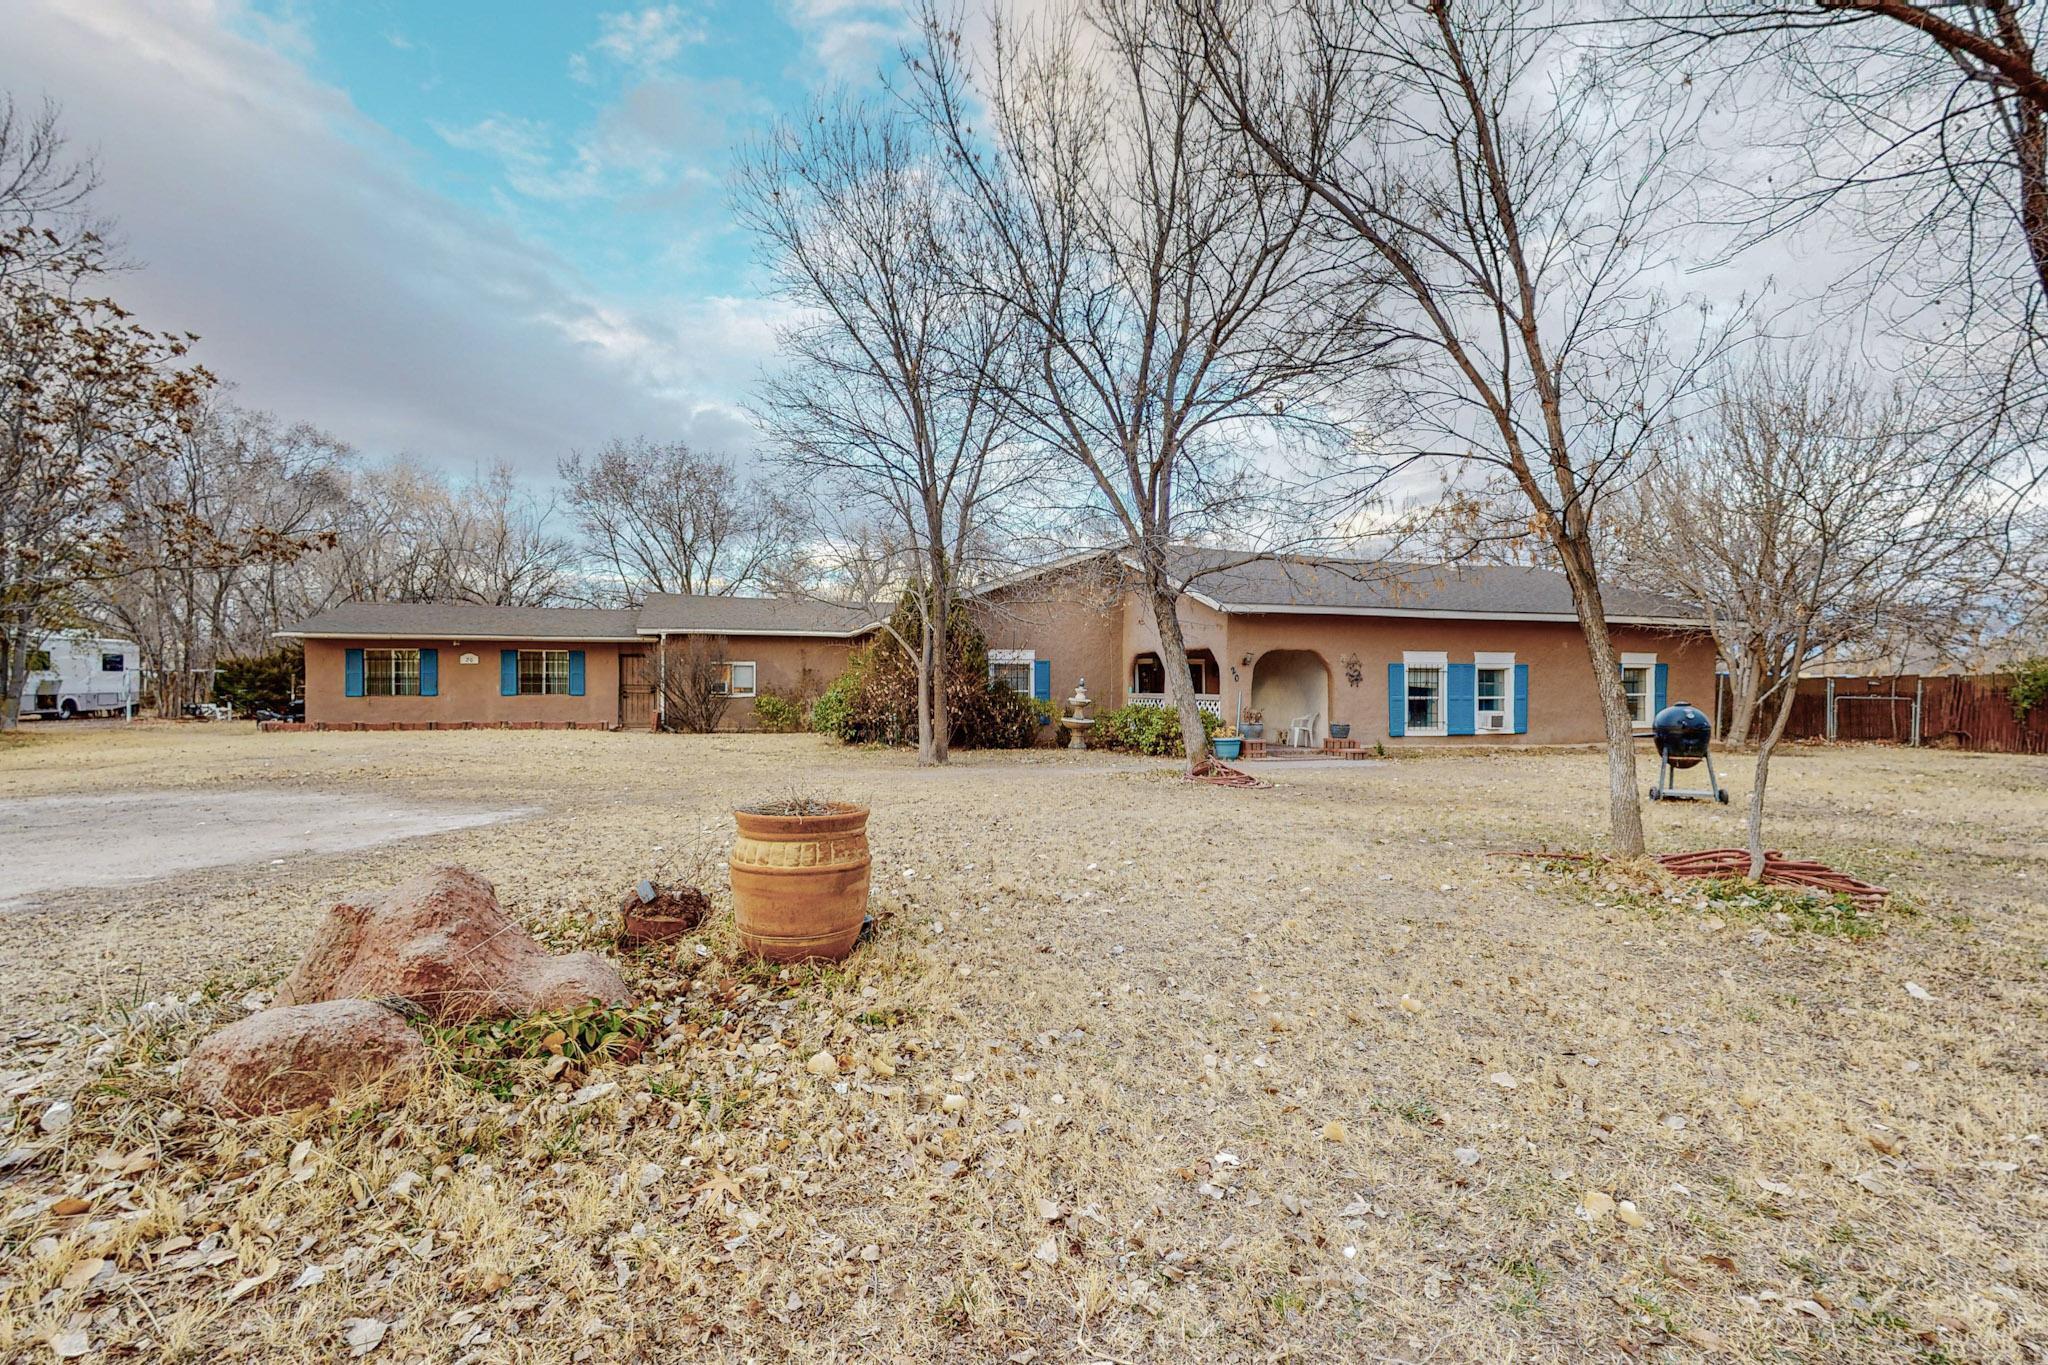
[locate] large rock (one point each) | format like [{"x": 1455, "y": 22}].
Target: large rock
[
  {"x": 441, "y": 942},
  {"x": 285, "y": 1059}
]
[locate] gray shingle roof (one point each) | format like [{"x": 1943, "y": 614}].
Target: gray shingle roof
[
  {"x": 468, "y": 621},
  {"x": 1244, "y": 583},
  {"x": 684, "y": 613},
  {"x": 677, "y": 613}
]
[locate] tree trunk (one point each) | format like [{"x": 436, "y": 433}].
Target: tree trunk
[
  {"x": 1624, "y": 806},
  {"x": 1789, "y": 681},
  {"x": 925, "y": 754},
  {"x": 1173, "y": 656},
  {"x": 1764, "y": 750},
  {"x": 1744, "y": 673},
  {"x": 942, "y": 713},
  {"x": 13, "y": 676}
]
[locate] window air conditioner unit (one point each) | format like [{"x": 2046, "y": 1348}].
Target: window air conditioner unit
[{"x": 1493, "y": 720}]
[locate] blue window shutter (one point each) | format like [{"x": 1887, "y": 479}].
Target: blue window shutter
[
  {"x": 352, "y": 673},
  {"x": 1461, "y": 699},
  {"x": 508, "y": 672},
  {"x": 575, "y": 672},
  {"x": 430, "y": 672},
  {"x": 1521, "y": 699},
  {"x": 1663, "y": 688},
  {"x": 1397, "y": 700},
  {"x": 1041, "y": 679}
]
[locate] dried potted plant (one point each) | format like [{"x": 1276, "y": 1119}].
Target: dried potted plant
[
  {"x": 800, "y": 877},
  {"x": 1254, "y": 724},
  {"x": 654, "y": 913}
]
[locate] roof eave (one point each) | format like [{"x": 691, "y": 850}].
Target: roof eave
[
  {"x": 1613, "y": 618},
  {"x": 446, "y": 635},
  {"x": 650, "y": 631}
]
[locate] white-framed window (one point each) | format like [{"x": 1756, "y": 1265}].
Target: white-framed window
[
  {"x": 543, "y": 672},
  {"x": 1012, "y": 668},
  {"x": 391, "y": 673},
  {"x": 735, "y": 679},
  {"x": 1493, "y": 694},
  {"x": 113, "y": 663},
  {"x": 1639, "y": 681},
  {"x": 1425, "y": 700}
]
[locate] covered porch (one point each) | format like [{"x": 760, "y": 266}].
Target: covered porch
[{"x": 1147, "y": 681}]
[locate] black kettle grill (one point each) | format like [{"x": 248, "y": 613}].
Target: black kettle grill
[{"x": 1682, "y": 732}]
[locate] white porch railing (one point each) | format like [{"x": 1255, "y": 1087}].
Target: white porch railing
[{"x": 1204, "y": 701}]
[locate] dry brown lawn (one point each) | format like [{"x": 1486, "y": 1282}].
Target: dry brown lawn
[{"x": 1134, "y": 1071}]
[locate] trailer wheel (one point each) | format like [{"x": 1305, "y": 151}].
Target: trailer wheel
[
  {"x": 68, "y": 709},
  {"x": 1722, "y": 797}
]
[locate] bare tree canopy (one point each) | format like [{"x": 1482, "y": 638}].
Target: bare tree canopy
[
  {"x": 897, "y": 396},
  {"x": 1517, "y": 206},
  {"x": 42, "y": 186},
  {"x": 1926, "y": 124},
  {"x": 1809, "y": 507},
  {"x": 662, "y": 517},
  {"x": 1172, "y": 313}
]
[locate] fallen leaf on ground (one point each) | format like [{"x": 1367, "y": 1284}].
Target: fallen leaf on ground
[{"x": 364, "y": 1335}]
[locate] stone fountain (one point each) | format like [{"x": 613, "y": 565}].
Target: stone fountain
[{"x": 1078, "y": 721}]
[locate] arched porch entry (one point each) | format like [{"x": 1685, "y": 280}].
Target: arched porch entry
[{"x": 1288, "y": 684}]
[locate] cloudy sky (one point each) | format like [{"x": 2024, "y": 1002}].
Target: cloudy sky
[{"x": 466, "y": 230}]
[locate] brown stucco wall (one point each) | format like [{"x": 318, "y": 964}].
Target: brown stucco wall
[
  {"x": 1071, "y": 619},
  {"x": 1563, "y": 705},
  {"x": 789, "y": 665},
  {"x": 468, "y": 692},
  {"x": 1086, "y": 628}
]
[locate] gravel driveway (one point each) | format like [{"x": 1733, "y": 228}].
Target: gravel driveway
[{"x": 58, "y": 843}]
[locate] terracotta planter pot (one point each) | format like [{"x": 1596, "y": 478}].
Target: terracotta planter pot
[{"x": 800, "y": 883}]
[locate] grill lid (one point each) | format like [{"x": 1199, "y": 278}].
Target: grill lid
[{"x": 1681, "y": 731}]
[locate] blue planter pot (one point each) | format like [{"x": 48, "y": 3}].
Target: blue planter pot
[{"x": 1227, "y": 748}]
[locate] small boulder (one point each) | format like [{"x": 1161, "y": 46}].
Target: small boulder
[
  {"x": 440, "y": 942},
  {"x": 284, "y": 1059}
]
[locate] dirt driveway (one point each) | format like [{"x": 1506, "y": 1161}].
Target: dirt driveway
[{"x": 54, "y": 843}]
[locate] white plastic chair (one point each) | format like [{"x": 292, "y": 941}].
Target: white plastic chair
[{"x": 1302, "y": 734}]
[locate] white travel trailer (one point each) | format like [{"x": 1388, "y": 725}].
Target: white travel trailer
[{"x": 77, "y": 675}]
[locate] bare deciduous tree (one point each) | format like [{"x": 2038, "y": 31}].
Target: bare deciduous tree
[
  {"x": 1172, "y": 313},
  {"x": 896, "y": 401},
  {"x": 1513, "y": 202},
  {"x": 42, "y": 187},
  {"x": 1812, "y": 507},
  {"x": 203, "y": 534},
  {"x": 1927, "y": 122},
  {"x": 662, "y": 517}
]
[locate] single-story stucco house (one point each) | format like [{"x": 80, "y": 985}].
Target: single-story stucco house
[
  {"x": 448, "y": 665},
  {"x": 1414, "y": 654},
  {"x": 1438, "y": 654}
]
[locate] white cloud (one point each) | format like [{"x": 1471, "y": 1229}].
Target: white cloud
[
  {"x": 272, "y": 218},
  {"x": 644, "y": 39},
  {"x": 850, "y": 39}
]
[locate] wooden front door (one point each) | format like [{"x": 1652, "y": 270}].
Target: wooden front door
[{"x": 636, "y": 692}]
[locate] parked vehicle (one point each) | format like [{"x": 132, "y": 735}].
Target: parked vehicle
[{"x": 81, "y": 675}]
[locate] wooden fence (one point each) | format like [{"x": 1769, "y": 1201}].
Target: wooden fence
[{"x": 1962, "y": 713}]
